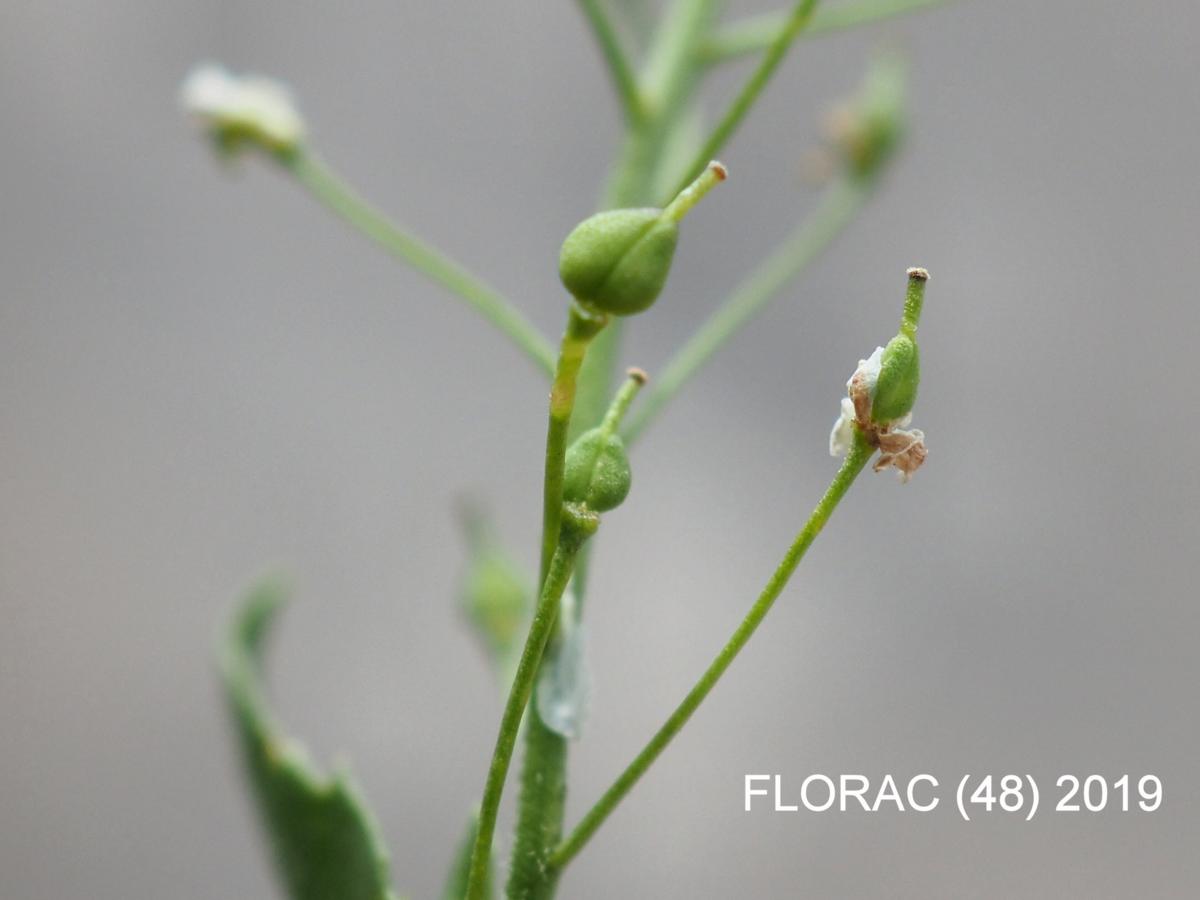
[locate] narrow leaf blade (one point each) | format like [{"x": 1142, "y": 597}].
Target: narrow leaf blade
[{"x": 325, "y": 842}]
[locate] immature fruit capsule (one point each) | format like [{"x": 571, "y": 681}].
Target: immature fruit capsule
[
  {"x": 881, "y": 394},
  {"x": 899, "y": 375},
  {"x": 597, "y": 471},
  {"x": 618, "y": 261}
]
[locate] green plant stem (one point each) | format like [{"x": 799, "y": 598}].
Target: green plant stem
[
  {"x": 541, "y": 810},
  {"x": 561, "y": 566},
  {"x": 623, "y": 76},
  {"x": 331, "y": 190},
  {"x": 582, "y": 327},
  {"x": 855, "y": 460},
  {"x": 755, "y": 33},
  {"x": 795, "y": 23},
  {"x": 671, "y": 75},
  {"x": 543, "y": 776},
  {"x": 839, "y": 205}
]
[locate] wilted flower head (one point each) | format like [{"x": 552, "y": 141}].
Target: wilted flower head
[
  {"x": 881, "y": 393},
  {"x": 243, "y": 110}
]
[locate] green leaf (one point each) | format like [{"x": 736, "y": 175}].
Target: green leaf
[
  {"x": 326, "y": 844},
  {"x": 460, "y": 868}
]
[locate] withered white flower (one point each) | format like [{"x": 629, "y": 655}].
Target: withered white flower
[
  {"x": 868, "y": 370},
  {"x": 899, "y": 447},
  {"x": 242, "y": 109},
  {"x": 842, "y": 435}
]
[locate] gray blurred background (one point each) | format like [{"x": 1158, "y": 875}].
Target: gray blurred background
[{"x": 204, "y": 377}]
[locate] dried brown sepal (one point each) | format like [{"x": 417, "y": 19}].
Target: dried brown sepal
[
  {"x": 899, "y": 448},
  {"x": 903, "y": 450}
]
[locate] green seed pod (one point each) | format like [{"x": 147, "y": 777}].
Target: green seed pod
[
  {"x": 618, "y": 261},
  {"x": 597, "y": 471},
  {"x": 899, "y": 375}
]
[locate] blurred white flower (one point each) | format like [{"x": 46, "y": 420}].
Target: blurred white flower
[{"x": 242, "y": 109}]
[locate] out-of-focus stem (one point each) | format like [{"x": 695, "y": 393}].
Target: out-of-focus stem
[{"x": 329, "y": 188}]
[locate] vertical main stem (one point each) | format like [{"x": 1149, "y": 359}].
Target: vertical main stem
[
  {"x": 562, "y": 564},
  {"x": 669, "y": 78},
  {"x": 557, "y": 566}
]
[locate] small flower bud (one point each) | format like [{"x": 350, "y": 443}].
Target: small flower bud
[
  {"x": 597, "y": 471},
  {"x": 618, "y": 261},
  {"x": 243, "y": 111},
  {"x": 867, "y": 130}
]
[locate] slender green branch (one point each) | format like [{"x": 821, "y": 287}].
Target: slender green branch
[
  {"x": 795, "y": 23},
  {"x": 855, "y": 460},
  {"x": 755, "y": 33},
  {"x": 623, "y": 76},
  {"x": 561, "y": 567},
  {"x": 337, "y": 195},
  {"x": 838, "y": 207}
]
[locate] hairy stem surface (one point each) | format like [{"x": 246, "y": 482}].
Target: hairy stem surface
[{"x": 561, "y": 566}]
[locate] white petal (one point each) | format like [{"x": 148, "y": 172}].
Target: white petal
[
  {"x": 842, "y": 435},
  {"x": 869, "y": 369},
  {"x": 259, "y": 106},
  {"x": 207, "y": 91}
]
